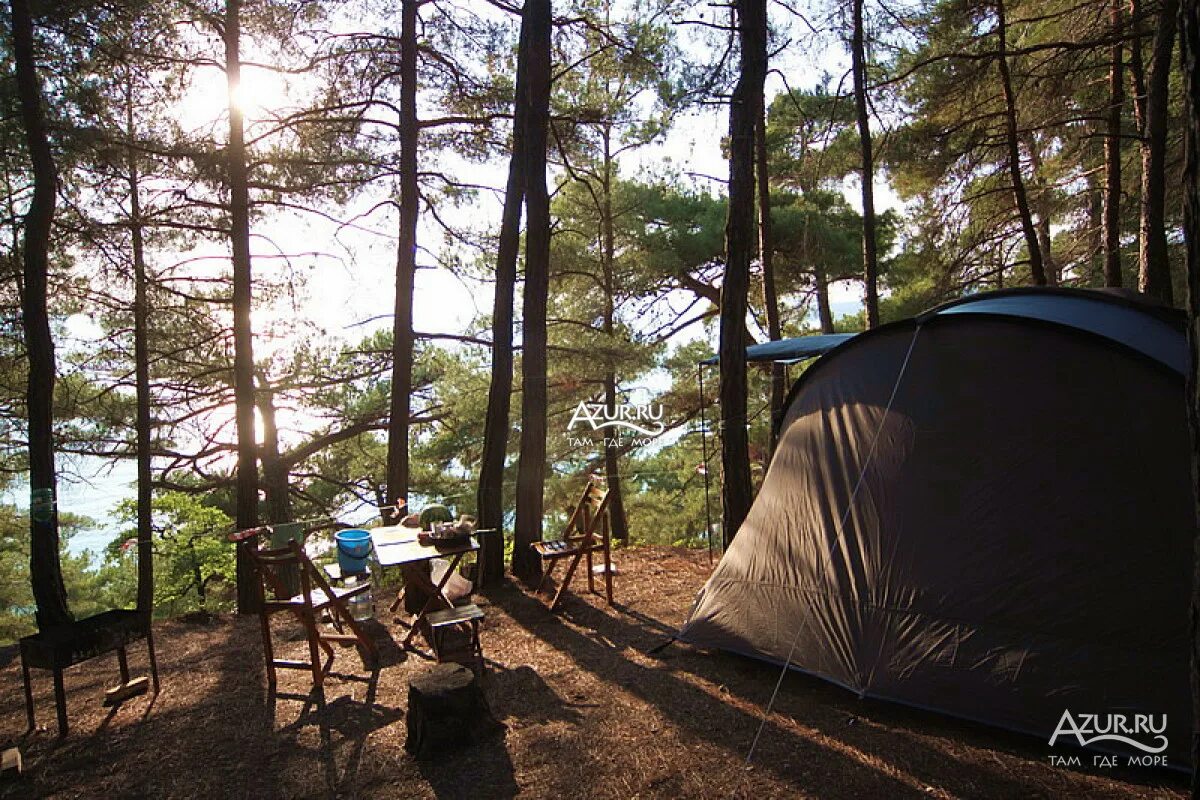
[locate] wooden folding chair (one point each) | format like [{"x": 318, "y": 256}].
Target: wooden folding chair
[
  {"x": 466, "y": 618},
  {"x": 586, "y": 532},
  {"x": 316, "y": 598}
]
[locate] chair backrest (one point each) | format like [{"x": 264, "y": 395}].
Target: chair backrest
[
  {"x": 275, "y": 567},
  {"x": 590, "y": 514}
]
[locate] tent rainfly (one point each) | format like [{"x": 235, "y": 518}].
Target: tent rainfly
[{"x": 984, "y": 511}]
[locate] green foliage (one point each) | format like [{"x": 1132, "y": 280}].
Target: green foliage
[
  {"x": 811, "y": 139},
  {"x": 820, "y": 230},
  {"x": 947, "y": 156},
  {"x": 194, "y": 565},
  {"x": 665, "y": 503},
  {"x": 675, "y": 229}
]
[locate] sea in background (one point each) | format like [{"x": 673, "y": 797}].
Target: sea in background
[
  {"x": 93, "y": 487},
  {"x": 90, "y": 487}
]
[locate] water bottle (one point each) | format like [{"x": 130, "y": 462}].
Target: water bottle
[{"x": 361, "y": 605}]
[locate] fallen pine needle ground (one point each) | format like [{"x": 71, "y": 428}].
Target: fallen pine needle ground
[{"x": 588, "y": 713}]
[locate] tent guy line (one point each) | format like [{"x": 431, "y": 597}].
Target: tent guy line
[
  {"x": 840, "y": 536},
  {"x": 1011, "y": 553}
]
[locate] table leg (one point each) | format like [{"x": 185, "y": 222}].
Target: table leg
[
  {"x": 436, "y": 594},
  {"x": 60, "y": 702},
  {"x": 399, "y": 599}
]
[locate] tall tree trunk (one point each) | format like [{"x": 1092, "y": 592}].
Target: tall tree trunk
[
  {"x": 1095, "y": 235},
  {"x": 824, "y": 308},
  {"x": 1189, "y": 46},
  {"x": 531, "y": 464},
  {"x": 744, "y": 114},
  {"x": 1036, "y": 267},
  {"x": 274, "y": 468},
  {"x": 1137, "y": 70},
  {"x": 1154, "y": 268},
  {"x": 1112, "y": 153},
  {"x": 490, "y": 497},
  {"x": 766, "y": 253},
  {"x": 141, "y": 361},
  {"x": 406, "y": 262},
  {"x": 246, "y": 510},
  {"x": 616, "y": 502},
  {"x": 1043, "y": 211},
  {"x": 870, "y": 247},
  {"x": 45, "y": 571},
  {"x": 821, "y": 282},
  {"x": 1045, "y": 244}
]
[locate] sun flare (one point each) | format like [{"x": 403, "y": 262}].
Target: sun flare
[{"x": 259, "y": 95}]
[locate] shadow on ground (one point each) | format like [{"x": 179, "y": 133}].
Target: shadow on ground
[{"x": 818, "y": 736}]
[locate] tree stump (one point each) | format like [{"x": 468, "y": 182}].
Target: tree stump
[{"x": 446, "y": 710}]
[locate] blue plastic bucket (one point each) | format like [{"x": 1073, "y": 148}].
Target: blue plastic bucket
[{"x": 353, "y": 546}]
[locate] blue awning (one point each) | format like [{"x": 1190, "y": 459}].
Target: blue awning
[{"x": 791, "y": 350}]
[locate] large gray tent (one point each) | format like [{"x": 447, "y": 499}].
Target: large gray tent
[{"x": 985, "y": 511}]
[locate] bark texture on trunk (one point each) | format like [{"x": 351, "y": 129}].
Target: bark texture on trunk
[
  {"x": 824, "y": 307},
  {"x": 858, "y": 59},
  {"x": 1137, "y": 70},
  {"x": 766, "y": 254},
  {"x": 1037, "y": 268},
  {"x": 490, "y": 497},
  {"x": 1112, "y": 152},
  {"x": 1041, "y": 207},
  {"x": 744, "y": 113},
  {"x": 1154, "y": 268},
  {"x": 612, "y": 472},
  {"x": 246, "y": 509},
  {"x": 1095, "y": 211},
  {"x": 274, "y": 467},
  {"x": 406, "y": 264},
  {"x": 141, "y": 359},
  {"x": 531, "y": 465},
  {"x": 1189, "y": 46},
  {"x": 45, "y": 570}
]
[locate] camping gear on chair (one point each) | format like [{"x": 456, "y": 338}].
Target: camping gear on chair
[
  {"x": 984, "y": 511},
  {"x": 586, "y": 532},
  {"x": 431, "y": 576},
  {"x": 315, "y": 600},
  {"x": 353, "y": 549}
]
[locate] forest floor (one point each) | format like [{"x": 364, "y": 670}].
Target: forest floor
[{"x": 587, "y": 713}]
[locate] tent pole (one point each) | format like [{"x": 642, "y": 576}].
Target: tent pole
[{"x": 704, "y": 451}]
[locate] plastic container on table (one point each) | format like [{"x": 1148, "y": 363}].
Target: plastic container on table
[{"x": 361, "y": 606}]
